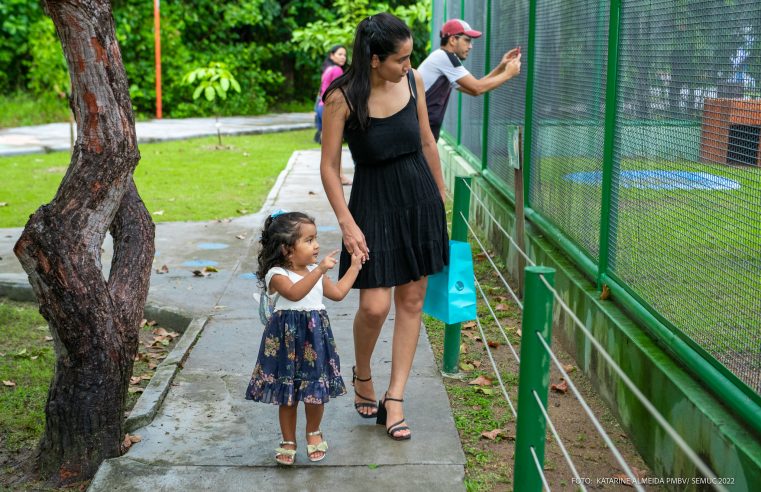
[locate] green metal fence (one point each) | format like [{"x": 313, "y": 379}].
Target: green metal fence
[{"x": 642, "y": 123}]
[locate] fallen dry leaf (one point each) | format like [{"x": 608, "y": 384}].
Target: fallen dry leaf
[
  {"x": 135, "y": 380},
  {"x": 163, "y": 269},
  {"x": 468, "y": 325},
  {"x": 143, "y": 322},
  {"x": 501, "y": 307},
  {"x": 163, "y": 333},
  {"x": 463, "y": 348},
  {"x": 519, "y": 332},
  {"x": 242, "y": 211},
  {"x": 129, "y": 441},
  {"x": 481, "y": 381},
  {"x": 476, "y": 363},
  {"x": 135, "y": 389},
  {"x": 561, "y": 387},
  {"x": 201, "y": 273},
  {"x": 469, "y": 334},
  {"x": 605, "y": 292},
  {"x": 623, "y": 479},
  {"x": 48, "y": 338},
  {"x": 486, "y": 391},
  {"x": 241, "y": 236},
  {"x": 158, "y": 212},
  {"x": 9, "y": 384},
  {"x": 151, "y": 322},
  {"x": 492, "y": 434},
  {"x": 493, "y": 344},
  {"x": 569, "y": 368},
  {"x": 466, "y": 367}
]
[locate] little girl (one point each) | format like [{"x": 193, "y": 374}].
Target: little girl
[{"x": 297, "y": 357}]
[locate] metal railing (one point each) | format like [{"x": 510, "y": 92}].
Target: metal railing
[{"x": 535, "y": 360}]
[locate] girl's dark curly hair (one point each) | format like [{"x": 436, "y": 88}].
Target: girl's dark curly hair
[{"x": 279, "y": 236}]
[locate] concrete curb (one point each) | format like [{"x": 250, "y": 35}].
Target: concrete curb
[
  {"x": 149, "y": 402},
  {"x": 46, "y": 149}
]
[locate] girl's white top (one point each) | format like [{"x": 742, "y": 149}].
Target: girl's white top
[{"x": 310, "y": 302}]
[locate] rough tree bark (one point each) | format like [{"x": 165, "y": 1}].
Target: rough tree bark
[{"x": 94, "y": 322}]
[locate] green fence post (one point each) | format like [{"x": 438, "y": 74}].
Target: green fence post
[
  {"x": 528, "y": 115},
  {"x": 487, "y": 69},
  {"x": 534, "y": 377},
  {"x": 460, "y": 215},
  {"x": 608, "y": 212}
]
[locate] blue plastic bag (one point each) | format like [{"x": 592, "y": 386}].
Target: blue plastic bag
[{"x": 451, "y": 294}]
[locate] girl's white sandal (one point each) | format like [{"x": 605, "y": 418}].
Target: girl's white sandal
[
  {"x": 322, "y": 447},
  {"x": 281, "y": 451}
]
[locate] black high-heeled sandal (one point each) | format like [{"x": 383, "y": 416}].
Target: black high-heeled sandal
[
  {"x": 392, "y": 429},
  {"x": 359, "y": 405}
]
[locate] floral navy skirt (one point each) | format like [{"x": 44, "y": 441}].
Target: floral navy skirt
[{"x": 297, "y": 361}]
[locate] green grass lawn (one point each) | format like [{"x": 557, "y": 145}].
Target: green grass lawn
[
  {"x": 27, "y": 360},
  {"x": 179, "y": 180}
]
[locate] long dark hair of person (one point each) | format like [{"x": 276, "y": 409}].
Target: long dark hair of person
[
  {"x": 381, "y": 35},
  {"x": 329, "y": 61},
  {"x": 279, "y": 236}
]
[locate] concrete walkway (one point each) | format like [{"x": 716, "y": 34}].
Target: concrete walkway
[
  {"x": 57, "y": 136},
  {"x": 206, "y": 436}
]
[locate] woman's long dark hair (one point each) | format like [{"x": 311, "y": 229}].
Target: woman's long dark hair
[
  {"x": 279, "y": 236},
  {"x": 328, "y": 61},
  {"x": 381, "y": 35}
]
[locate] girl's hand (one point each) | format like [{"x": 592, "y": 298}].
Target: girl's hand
[
  {"x": 328, "y": 262},
  {"x": 356, "y": 261},
  {"x": 354, "y": 240}
]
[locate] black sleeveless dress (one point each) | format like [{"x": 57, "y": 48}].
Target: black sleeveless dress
[{"x": 395, "y": 201}]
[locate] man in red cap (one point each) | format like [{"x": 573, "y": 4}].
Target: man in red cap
[{"x": 443, "y": 70}]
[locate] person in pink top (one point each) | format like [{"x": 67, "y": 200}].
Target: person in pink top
[{"x": 332, "y": 68}]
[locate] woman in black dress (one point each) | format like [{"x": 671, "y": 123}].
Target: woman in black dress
[{"x": 395, "y": 216}]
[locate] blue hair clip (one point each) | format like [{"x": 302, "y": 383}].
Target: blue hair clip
[{"x": 277, "y": 213}]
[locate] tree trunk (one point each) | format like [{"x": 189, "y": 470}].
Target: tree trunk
[{"x": 94, "y": 322}]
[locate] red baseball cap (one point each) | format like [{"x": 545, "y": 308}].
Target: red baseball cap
[{"x": 453, "y": 27}]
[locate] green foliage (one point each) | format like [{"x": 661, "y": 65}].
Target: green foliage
[
  {"x": 253, "y": 38},
  {"x": 317, "y": 37},
  {"x": 22, "y": 109},
  {"x": 212, "y": 81},
  {"x": 47, "y": 66},
  {"x": 16, "y": 19}
]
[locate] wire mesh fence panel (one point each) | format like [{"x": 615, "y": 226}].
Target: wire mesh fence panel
[
  {"x": 569, "y": 115},
  {"x": 438, "y": 17},
  {"x": 509, "y": 28},
  {"x": 452, "y": 116},
  {"x": 472, "y": 117},
  {"x": 686, "y": 200}
]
